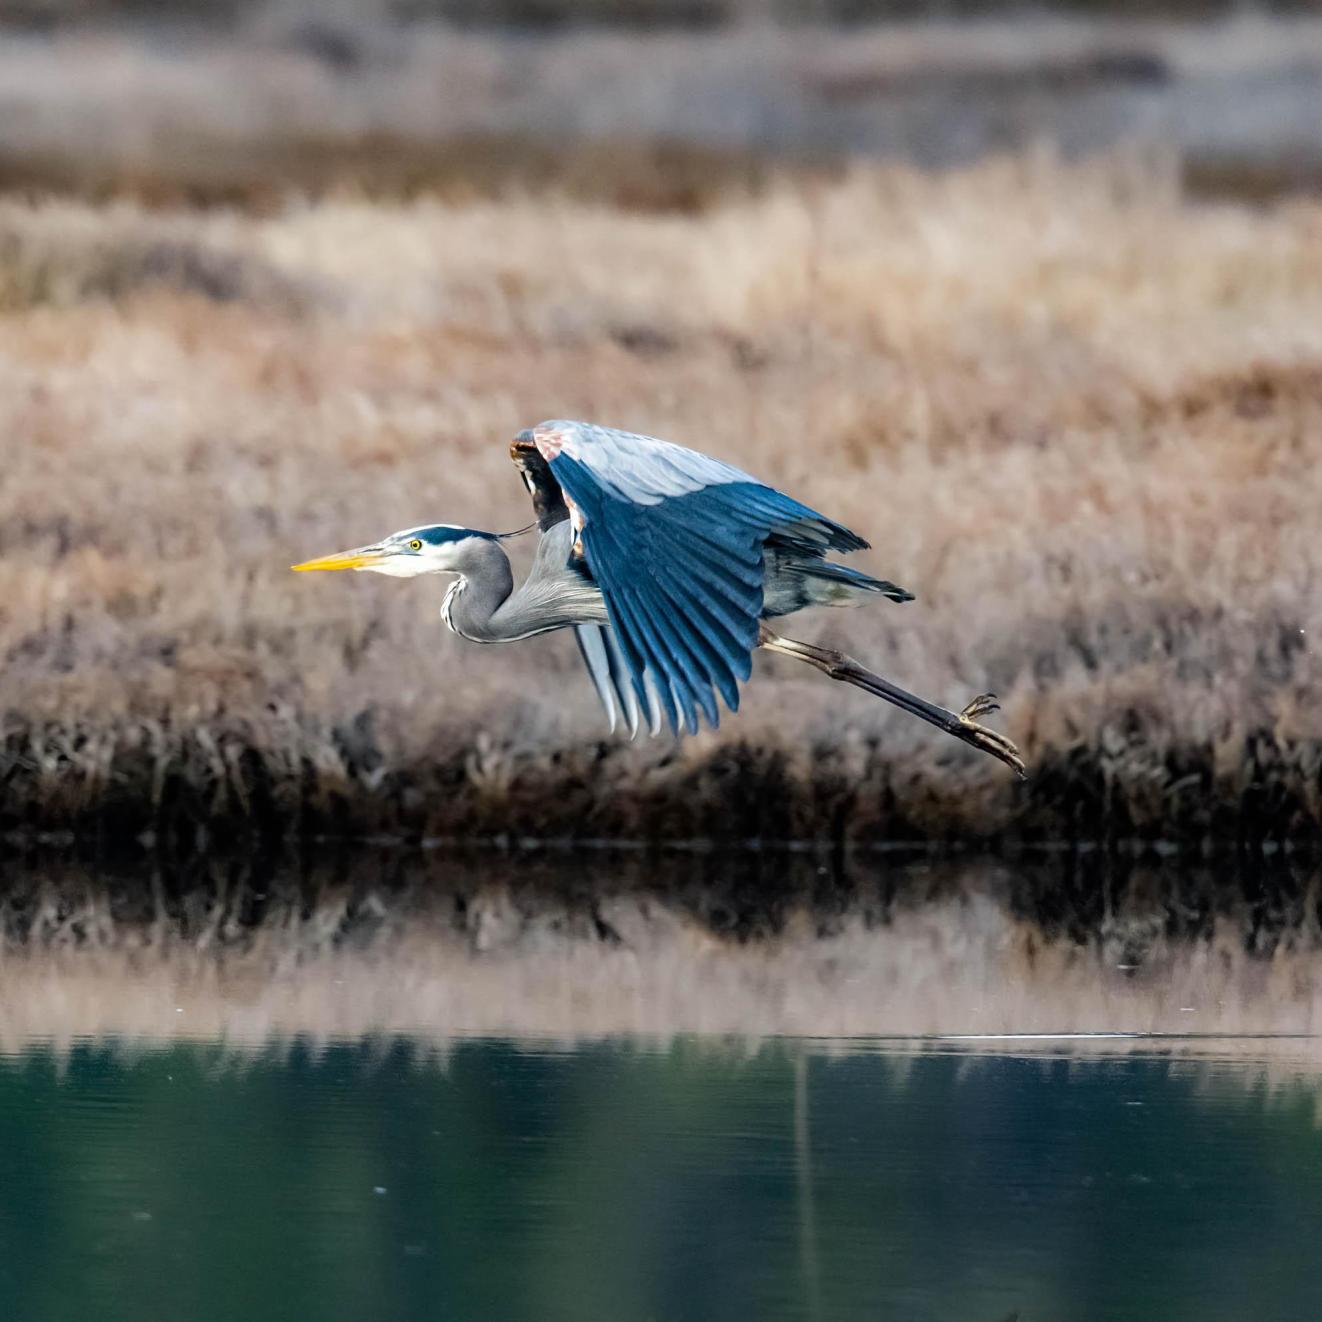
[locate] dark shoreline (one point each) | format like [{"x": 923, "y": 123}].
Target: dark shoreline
[{"x": 205, "y": 790}]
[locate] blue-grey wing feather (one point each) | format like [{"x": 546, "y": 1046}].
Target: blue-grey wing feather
[
  {"x": 609, "y": 674},
  {"x": 593, "y": 647},
  {"x": 620, "y": 679}
]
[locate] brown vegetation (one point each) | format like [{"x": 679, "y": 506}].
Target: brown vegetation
[{"x": 1077, "y": 414}]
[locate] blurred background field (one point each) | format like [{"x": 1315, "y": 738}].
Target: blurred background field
[
  {"x": 671, "y": 104},
  {"x": 1033, "y": 301}
]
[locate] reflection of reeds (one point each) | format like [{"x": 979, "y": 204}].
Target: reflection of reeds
[
  {"x": 443, "y": 948},
  {"x": 1078, "y": 416}
]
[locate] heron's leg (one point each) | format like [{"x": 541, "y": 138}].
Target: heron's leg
[{"x": 962, "y": 725}]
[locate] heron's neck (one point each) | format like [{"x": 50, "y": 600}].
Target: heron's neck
[{"x": 482, "y": 587}]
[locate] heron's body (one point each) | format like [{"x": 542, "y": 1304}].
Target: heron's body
[
  {"x": 483, "y": 605},
  {"x": 667, "y": 564}
]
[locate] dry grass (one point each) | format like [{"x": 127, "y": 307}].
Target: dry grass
[{"x": 1078, "y": 415}]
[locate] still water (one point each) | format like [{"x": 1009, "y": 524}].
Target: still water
[{"x": 681, "y": 1178}]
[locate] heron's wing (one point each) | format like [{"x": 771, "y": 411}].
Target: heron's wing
[
  {"x": 674, "y": 540},
  {"x": 610, "y": 676}
]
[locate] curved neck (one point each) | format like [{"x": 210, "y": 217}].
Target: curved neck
[{"x": 484, "y": 584}]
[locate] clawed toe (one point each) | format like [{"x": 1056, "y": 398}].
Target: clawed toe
[
  {"x": 983, "y": 705},
  {"x": 989, "y": 740}
]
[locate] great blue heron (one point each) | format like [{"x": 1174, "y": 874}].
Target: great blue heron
[{"x": 667, "y": 564}]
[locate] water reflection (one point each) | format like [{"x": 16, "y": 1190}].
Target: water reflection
[
  {"x": 613, "y": 1088},
  {"x": 440, "y": 947},
  {"x": 623, "y": 1180}
]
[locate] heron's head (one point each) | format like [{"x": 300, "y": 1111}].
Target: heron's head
[{"x": 438, "y": 548}]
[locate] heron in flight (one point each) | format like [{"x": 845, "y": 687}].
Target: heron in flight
[{"x": 668, "y": 565}]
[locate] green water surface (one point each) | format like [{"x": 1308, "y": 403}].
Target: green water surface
[{"x": 625, "y": 1180}]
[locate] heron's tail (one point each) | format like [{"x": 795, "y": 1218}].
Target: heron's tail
[{"x": 839, "y": 585}]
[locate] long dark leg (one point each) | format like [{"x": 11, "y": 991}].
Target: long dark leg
[{"x": 961, "y": 724}]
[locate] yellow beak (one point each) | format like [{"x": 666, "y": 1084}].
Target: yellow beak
[{"x": 365, "y": 555}]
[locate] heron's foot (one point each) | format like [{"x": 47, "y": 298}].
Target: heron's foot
[
  {"x": 983, "y": 705},
  {"x": 984, "y": 737}
]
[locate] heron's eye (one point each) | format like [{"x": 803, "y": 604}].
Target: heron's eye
[{"x": 415, "y": 545}]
